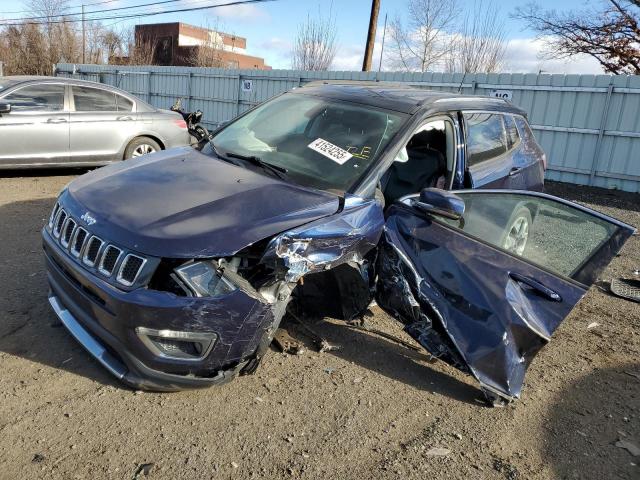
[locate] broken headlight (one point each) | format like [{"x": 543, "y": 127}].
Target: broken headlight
[{"x": 205, "y": 279}]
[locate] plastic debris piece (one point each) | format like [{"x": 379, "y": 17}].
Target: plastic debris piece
[
  {"x": 438, "y": 452},
  {"x": 632, "y": 448}
]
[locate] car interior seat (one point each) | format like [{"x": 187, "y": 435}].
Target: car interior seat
[{"x": 425, "y": 164}]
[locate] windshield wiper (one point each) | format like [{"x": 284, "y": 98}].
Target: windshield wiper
[{"x": 277, "y": 170}]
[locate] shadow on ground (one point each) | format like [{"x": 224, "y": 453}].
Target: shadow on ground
[
  {"x": 43, "y": 172},
  {"x": 390, "y": 359},
  {"x": 29, "y": 328},
  {"x": 587, "y": 420}
]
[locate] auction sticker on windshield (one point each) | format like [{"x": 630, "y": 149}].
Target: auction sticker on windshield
[{"x": 330, "y": 151}]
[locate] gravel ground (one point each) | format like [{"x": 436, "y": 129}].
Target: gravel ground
[{"x": 374, "y": 409}]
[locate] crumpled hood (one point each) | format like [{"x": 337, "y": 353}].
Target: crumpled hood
[{"x": 181, "y": 203}]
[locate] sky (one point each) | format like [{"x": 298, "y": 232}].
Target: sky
[{"x": 270, "y": 28}]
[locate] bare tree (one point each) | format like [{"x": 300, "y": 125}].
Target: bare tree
[
  {"x": 424, "y": 42},
  {"x": 140, "y": 50},
  {"x": 21, "y": 50},
  {"x": 210, "y": 53},
  {"x": 479, "y": 45},
  {"x": 610, "y": 34},
  {"x": 315, "y": 44},
  {"x": 50, "y": 10}
]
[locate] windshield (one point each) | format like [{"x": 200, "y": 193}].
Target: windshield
[{"x": 322, "y": 143}]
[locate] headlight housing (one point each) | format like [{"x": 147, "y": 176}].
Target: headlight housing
[
  {"x": 176, "y": 345},
  {"x": 205, "y": 279}
]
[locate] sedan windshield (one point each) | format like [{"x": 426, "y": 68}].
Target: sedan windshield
[{"x": 319, "y": 143}]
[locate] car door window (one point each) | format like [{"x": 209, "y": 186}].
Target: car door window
[
  {"x": 425, "y": 161},
  {"x": 559, "y": 237},
  {"x": 486, "y": 138},
  {"x": 124, "y": 104},
  {"x": 88, "y": 99},
  {"x": 37, "y": 98}
]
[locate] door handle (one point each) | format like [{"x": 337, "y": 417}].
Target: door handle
[
  {"x": 124, "y": 118},
  {"x": 57, "y": 120},
  {"x": 514, "y": 171},
  {"x": 537, "y": 286}
]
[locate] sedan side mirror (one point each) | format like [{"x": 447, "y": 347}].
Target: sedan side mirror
[
  {"x": 5, "y": 107},
  {"x": 441, "y": 202}
]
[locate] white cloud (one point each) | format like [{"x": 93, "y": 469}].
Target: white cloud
[
  {"x": 524, "y": 55},
  {"x": 276, "y": 51},
  {"x": 242, "y": 13}
]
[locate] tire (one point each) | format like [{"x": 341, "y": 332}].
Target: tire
[
  {"x": 141, "y": 146},
  {"x": 517, "y": 232}
]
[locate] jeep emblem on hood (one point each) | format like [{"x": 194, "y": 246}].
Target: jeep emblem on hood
[{"x": 88, "y": 219}]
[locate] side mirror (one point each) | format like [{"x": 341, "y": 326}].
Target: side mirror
[
  {"x": 441, "y": 202},
  {"x": 5, "y": 107}
]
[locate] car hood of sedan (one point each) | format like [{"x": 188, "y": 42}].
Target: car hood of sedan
[{"x": 183, "y": 204}]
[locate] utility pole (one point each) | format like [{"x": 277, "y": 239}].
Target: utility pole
[
  {"x": 84, "y": 36},
  {"x": 371, "y": 35},
  {"x": 384, "y": 34}
]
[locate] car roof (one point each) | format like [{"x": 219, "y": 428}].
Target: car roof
[
  {"x": 13, "y": 80},
  {"x": 405, "y": 98}
]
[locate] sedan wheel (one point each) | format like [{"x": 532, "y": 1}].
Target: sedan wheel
[{"x": 143, "y": 150}]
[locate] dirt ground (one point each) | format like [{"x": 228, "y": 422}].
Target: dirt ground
[{"x": 373, "y": 409}]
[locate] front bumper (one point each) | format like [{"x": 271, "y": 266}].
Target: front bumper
[{"x": 103, "y": 319}]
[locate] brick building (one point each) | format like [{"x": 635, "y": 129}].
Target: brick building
[{"x": 187, "y": 45}]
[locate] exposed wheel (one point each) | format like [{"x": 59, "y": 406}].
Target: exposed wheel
[
  {"x": 516, "y": 234},
  {"x": 141, "y": 146}
]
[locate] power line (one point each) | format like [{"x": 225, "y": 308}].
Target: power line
[
  {"x": 44, "y": 17},
  {"x": 64, "y": 8},
  {"x": 139, "y": 14}
]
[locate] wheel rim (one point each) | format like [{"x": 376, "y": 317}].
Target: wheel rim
[
  {"x": 143, "y": 149},
  {"x": 516, "y": 239}
]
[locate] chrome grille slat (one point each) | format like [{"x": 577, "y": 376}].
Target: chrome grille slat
[
  {"x": 59, "y": 222},
  {"x": 129, "y": 269},
  {"x": 94, "y": 244},
  {"x": 53, "y": 215},
  {"x": 77, "y": 242},
  {"x": 93, "y": 252},
  {"x": 109, "y": 260},
  {"x": 67, "y": 232}
]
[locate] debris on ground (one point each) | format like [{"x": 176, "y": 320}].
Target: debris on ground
[
  {"x": 626, "y": 288},
  {"x": 633, "y": 374},
  {"x": 287, "y": 344},
  {"x": 321, "y": 343},
  {"x": 509, "y": 471},
  {"x": 38, "y": 458},
  {"x": 143, "y": 469},
  {"x": 361, "y": 324},
  {"x": 592, "y": 325},
  {"x": 630, "y": 447},
  {"x": 437, "y": 452}
]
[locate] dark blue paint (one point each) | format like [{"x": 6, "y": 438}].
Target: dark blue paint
[
  {"x": 458, "y": 299},
  {"x": 184, "y": 204}
]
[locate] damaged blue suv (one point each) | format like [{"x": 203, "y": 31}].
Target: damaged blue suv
[{"x": 174, "y": 270}]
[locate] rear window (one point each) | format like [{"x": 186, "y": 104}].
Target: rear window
[
  {"x": 486, "y": 137},
  {"x": 94, "y": 100},
  {"x": 124, "y": 104}
]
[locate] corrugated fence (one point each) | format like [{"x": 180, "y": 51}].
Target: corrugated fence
[{"x": 589, "y": 125}]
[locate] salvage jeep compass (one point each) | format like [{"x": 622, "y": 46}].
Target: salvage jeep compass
[{"x": 175, "y": 269}]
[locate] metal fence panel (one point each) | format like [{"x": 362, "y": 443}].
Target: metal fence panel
[{"x": 588, "y": 125}]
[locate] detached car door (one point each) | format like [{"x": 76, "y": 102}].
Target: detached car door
[
  {"x": 36, "y": 130},
  {"x": 485, "y": 292},
  {"x": 101, "y": 124}
]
